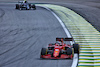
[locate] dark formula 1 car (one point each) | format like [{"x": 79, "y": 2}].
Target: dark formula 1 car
[
  {"x": 25, "y": 5},
  {"x": 60, "y": 50}
]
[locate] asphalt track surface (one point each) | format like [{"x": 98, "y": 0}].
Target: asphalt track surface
[{"x": 24, "y": 33}]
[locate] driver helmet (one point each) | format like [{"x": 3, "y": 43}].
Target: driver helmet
[{"x": 25, "y": 1}]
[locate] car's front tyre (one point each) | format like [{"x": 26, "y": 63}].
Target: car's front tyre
[
  {"x": 43, "y": 51},
  {"x": 17, "y": 6}
]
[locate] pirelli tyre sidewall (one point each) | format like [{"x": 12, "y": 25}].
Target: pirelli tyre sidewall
[
  {"x": 43, "y": 51},
  {"x": 69, "y": 51},
  {"x": 34, "y": 7},
  {"x": 17, "y": 6},
  {"x": 76, "y": 48}
]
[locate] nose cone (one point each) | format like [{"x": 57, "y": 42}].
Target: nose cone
[{"x": 56, "y": 52}]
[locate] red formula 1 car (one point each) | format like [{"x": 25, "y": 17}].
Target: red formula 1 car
[{"x": 60, "y": 50}]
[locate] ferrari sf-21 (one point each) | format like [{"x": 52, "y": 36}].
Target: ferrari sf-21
[{"x": 60, "y": 49}]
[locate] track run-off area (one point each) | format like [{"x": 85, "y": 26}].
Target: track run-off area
[{"x": 83, "y": 33}]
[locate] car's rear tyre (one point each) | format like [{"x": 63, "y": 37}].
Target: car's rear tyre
[
  {"x": 76, "y": 48},
  {"x": 69, "y": 51},
  {"x": 34, "y": 7},
  {"x": 17, "y": 6},
  {"x": 43, "y": 51}
]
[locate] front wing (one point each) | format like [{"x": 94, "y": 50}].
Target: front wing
[{"x": 63, "y": 56}]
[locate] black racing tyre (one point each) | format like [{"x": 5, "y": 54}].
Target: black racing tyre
[
  {"x": 76, "y": 48},
  {"x": 69, "y": 51},
  {"x": 34, "y": 7},
  {"x": 17, "y": 6},
  {"x": 43, "y": 51}
]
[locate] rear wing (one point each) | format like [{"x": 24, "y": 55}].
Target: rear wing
[{"x": 64, "y": 39}]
